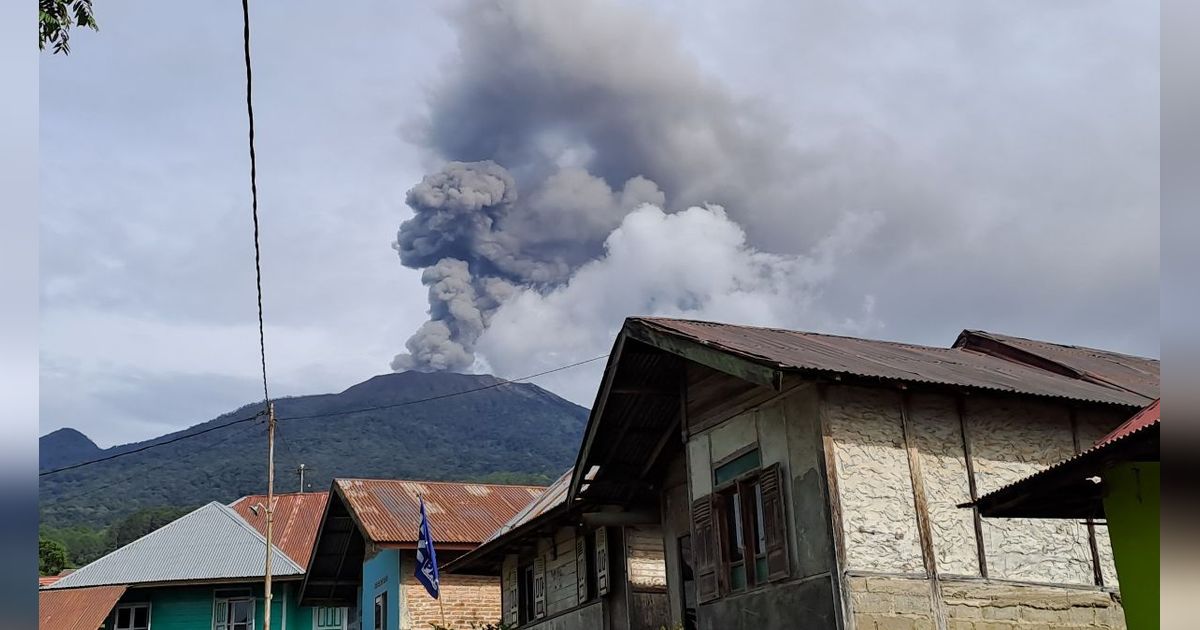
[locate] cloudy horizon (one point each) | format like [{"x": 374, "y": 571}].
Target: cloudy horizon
[{"x": 899, "y": 173}]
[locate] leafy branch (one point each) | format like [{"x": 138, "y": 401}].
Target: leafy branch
[{"x": 55, "y": 19}]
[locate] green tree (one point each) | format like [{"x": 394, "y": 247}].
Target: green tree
[
  {"x": 140, "y": 523},
  {"x": 55, "y": 19},
  {"x": 52, "y": 556},
  {"x": 83, "y": 543}
]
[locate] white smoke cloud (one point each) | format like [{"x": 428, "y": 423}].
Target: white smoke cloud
[{"x": 695, "y": 263}]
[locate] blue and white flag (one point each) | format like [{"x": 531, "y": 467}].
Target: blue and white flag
[{"x": 427, "y": 569}]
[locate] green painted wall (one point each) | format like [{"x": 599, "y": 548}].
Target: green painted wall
[
  {"x": 1131, "y": 507},
  {"x": 191, "y": 607}
]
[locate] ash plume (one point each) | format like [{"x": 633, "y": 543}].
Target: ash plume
[{"x": 552, "y": 135}]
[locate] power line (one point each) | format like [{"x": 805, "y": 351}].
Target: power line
[
  {"x": 262, "y": 344},
  {"x": 148, "y": 446},
  {"x": 324, "y": 415}
]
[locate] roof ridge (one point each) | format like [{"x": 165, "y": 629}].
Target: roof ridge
[
  {"x": 793, "y": 331},
  {"x": 1098, "y": 353},
  {"x": 446, "y": 483},
  {"x": 237, "y": 518}
]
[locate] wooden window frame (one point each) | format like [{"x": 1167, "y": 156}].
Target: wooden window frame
[
  {"x": 761, "y": 496},
  {"x": 343, "y": 612},
  {"x": 229, "y": 601},
  {"x": 380, "y": 615},
  {"x": 131, "y": 607}
]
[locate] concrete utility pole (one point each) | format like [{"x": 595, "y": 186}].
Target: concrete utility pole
[
  {"x": 270, "y": 510},
  {"x": 300, "y": 471}
]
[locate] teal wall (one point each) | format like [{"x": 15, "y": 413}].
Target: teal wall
[
  {"x": 1131, "y": 507},
  {"x": 191, "y": 607},
  {"x": 381, "y": 573}
]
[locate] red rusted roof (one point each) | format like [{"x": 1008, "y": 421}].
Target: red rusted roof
[
  {"x": 388, "y": 510},
  {"x": 790, "y": 350},
  {"x": 46, "y": 580},
  {"x": 76, "y": 608},
  {"x": 554, "y": 496},
  {"x": 1142, "y": 419},
  {"x": 297, "y": 519}
]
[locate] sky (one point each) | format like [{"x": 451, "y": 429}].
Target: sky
[{"x": 898, "y": 172}]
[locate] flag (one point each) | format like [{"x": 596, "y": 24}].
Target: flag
[{"x": 427, "y": 569}]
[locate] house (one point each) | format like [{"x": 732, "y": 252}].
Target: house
[
  {"x": 365, "y": 551},
  {"x": 738, "y": 477},
  {"x": 1116, "y": 479},
  {"x": 203, "y": 571}
]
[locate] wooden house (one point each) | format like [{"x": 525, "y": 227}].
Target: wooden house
[{"x": 739, "y": 477}]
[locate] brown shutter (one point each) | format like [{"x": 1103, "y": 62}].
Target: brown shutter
[
  {"x": 775, "y": 523},
  {"x": 704, "y": 550}
]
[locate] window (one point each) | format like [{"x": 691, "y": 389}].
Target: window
[
  {"x": 329, "y": 618},
  {"x": 132, "y": 617},
  {"x": 381, "y": 611},
  {"x": 743, "y": 539},
  {"x": 740, "y": 535},
  {"x": 234, "y": 613},
  {"x": 525, "y": 594}
]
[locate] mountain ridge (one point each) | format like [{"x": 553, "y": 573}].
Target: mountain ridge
[{"x": 438, "y": 426}]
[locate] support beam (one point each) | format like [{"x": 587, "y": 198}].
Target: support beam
[
  {"x": 961, "y": 407},
  {"x": 620, "y": 519},
  {"x": 924, "y": 527}
]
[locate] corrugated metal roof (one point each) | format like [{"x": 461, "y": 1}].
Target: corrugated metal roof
[
  {"x": 554, "y": 496},
  {"x": 46, "y": 580},
  {"x": 1144, "y": 418},
  {"x": 297, "y": 519},
  {"x": 805, "y": 351},
  {"x": 210, "y": 543},
  {"x": 1059, "y": 491},
  {"x": 1135, "y": 374},
  {"x": 389, "y": 512},
  {"x": 77, "y": 608}
]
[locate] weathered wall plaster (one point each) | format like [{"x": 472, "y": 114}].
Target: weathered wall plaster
[{"x": 938, "y": 436}]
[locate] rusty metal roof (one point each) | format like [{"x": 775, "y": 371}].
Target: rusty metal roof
[
  {"x": 388, "y": 512},
  {"x": 1065, "y": 490},
  {"x": 790, "y": 350},
  {"x": 1139, "y": 375},
  {"x": 297, "y": 519},
  {"x": 77, "y": 608},
  {"x": 554, "y": 496}
]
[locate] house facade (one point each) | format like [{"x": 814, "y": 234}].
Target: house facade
[
  {"x": 790, "y": 480},
  {"x": 203, "y": 571},
  {"x": 364, "y": 557}
]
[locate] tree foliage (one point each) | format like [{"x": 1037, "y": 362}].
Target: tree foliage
[
  {"x": 55, "y": 19},
  {"x": 52, "y": 557},
  {"x": 140, "y": 523}
]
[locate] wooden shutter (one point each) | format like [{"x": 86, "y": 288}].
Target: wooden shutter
[
  {"x": 704, "y": 550},
  {"x": 581, "y": 567},
  {"x": 539, "y": 587},
  {"x": 602, "y": 561},
  {"x": 220, "y": 614},
  {"x": 775, "y": 523},
  {"x": 511, "y": 592}
]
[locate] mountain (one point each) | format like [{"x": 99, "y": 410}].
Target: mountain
[
  {"x": 507, "y": 433},
  {"x": 65, "y": 447}
]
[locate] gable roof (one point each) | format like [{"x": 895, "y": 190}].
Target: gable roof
[
  {"x": 1066, "y": 489},
  {"x": 637, "y": 403},
  {"x": 77, "y": 608},
  {"x": 297, "y": 518},
  {"x": 960, "y": 366},
  {"x": 387, "y": 511},
  {"x": 211, "y": 543}
]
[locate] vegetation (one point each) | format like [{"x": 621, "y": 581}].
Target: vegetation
[
  {"x": 55, "y": 19},
  {"x": 80, "y": 544},
  {"x": 517, "y": 433},
  {"x": 52, "y": 557}
]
